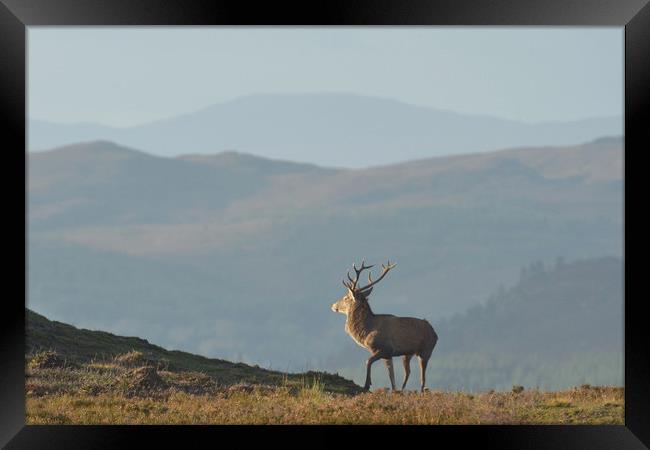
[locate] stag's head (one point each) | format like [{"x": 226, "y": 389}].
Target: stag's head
[{"x": 358, "y": 294}]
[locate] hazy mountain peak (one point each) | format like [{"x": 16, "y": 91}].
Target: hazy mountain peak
[
  {"x": 609, "y": 140},
  {"x": 329, "y": 129},
  {"x": 244, "y": 160},
  {"x": 95, "y": 147},
  {"x": 323, "y": 97}
]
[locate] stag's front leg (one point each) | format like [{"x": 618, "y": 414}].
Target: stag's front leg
[
  {"x": 406, "y": 359},
  {"x": 391, "y": 373},
  {"x": 371, "y": 360}
]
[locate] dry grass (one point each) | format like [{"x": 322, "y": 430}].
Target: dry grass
[
  {"x": 113, "y": 391},
  {"x": 311, "y": 405}
]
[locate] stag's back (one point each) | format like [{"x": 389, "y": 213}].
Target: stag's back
[{"x": 405, "y": 335}]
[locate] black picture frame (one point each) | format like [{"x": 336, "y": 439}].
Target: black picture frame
[{"x": 16, "y": 15}]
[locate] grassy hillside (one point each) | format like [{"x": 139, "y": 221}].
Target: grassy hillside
[
  {"x": 51, "y": 343},
  {"x": 101, "y": 183},
  {"x": 311, "y": 405},
  {"x": 78, "y": 376}
]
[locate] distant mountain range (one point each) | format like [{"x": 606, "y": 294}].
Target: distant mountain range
[
  {"x": 239, "y": 257},
  {"x": 338, "y": 130}
]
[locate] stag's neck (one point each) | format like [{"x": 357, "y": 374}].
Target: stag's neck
[{"x": 359, "y": 321}]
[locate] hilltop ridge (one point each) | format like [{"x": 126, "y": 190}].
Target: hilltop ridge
[{"x": 83, "y": 347}]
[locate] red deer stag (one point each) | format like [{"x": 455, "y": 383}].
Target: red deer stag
[{"x": 384, "y": 335}]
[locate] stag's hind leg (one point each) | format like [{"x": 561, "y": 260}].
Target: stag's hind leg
[
  {"x": 423, "y": 369},
  {"x": 391, "y": 372},
  {"x": 406, "y": 359}
]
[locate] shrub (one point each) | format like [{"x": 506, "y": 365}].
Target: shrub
[
  {"x": 46, "y": 360},
  {"x": 142, "y": 381}
]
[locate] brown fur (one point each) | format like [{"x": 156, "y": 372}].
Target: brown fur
[{"x": 386, "y": 336}]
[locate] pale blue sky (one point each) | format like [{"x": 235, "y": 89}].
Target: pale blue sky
[{"x": 126, "y": 76}]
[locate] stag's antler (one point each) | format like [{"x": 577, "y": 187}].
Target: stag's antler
[
  {"x": 352, "y": 284},
  {"x": 385, "y": 269}
]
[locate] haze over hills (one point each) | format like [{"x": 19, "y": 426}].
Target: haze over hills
[
  {"x": 338, "y": 130},
  {"x": 240, "y": 257}
]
